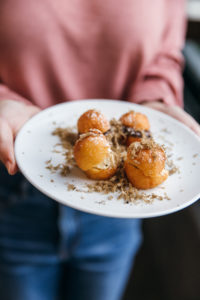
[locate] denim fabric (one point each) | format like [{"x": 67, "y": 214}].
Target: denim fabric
[{"x": 49, "y": 251}]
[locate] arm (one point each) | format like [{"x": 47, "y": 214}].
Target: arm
[
  {"x": 160, "y": 86},
  {"x": 162, "y": 78}
]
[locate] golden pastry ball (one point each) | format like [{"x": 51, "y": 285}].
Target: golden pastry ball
[
  {"x": 136, "y": 120},
  {"x": 93, "y": 154},
  {"x": 92, "y": 119},
  {"x": 145, "y": 164}
]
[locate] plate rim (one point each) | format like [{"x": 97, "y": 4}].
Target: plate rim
[{"x": 90, "y": 210}]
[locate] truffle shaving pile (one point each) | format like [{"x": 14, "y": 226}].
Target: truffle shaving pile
[{"x": 118, "y": 183}]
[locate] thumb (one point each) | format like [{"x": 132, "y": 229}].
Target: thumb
[{"x": 7, "y": 147}]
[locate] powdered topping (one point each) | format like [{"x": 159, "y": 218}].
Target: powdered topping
[
  {"x": 128, "y": 118},
  {"x": 93, "y": 114},
  {"x": 96, "y": 136},
  {"x": 144, "y": 144},
  {"x": 92, "y": 119}
]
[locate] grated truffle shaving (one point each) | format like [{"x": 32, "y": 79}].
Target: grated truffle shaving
[{"x": 119, "y": 183}]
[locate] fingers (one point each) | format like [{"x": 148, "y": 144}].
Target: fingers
[
  {"x": 185, "y": 118},
  {"x": 7, "y": 147},
  {"x": 12, "y": 117},
  {"x": 16, "y": 113},
  {"x": 192, "y": 124},
  {"x": 177, "y": 113}
]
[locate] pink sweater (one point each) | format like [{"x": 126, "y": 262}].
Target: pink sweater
[{"x": 55, "y": 51}]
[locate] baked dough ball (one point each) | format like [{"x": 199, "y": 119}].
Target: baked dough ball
[
  {"x": 140, "y": 181},
  {"x": 135, "y": 120},
  {"x": 145, "y": 164},
  {"x": 92, "y": 119},
  {"x": 93, "y": 155},
  {"x": 135, "y": 126}
]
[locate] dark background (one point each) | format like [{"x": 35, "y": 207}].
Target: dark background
[{"x": 167, "y": 266}]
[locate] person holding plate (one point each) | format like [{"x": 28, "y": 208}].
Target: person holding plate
[{"x": 57, "y": 51}]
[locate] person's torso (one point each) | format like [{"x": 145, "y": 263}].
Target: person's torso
[{"x": 54, "y": 51}]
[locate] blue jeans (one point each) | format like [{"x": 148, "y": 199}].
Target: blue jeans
[{"x": 49, "y": 251}]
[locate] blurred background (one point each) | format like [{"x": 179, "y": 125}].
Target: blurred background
[{"x": 168, "y": 264}]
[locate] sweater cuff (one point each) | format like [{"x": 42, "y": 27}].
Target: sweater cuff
[{"x": 155, "y": 90}]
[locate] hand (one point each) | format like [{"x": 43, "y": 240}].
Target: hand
[
  {"x": 177, "y": 113},
  {"x": 13, "y": 115}
]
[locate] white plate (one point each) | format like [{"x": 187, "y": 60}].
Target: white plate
[{"x": 34, "y": 145}]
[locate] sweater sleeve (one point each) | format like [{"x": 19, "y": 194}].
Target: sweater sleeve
[
  {"x": 8, "y": 94},
  {"x": 162, "y": 78}
]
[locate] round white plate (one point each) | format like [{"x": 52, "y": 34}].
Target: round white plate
[{"x": 34, "y": 146}]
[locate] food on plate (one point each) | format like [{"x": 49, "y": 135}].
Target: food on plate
[
  {"x": 93, "y": 155},
  {"x": 145, "y": 164},
  {"x": 92, "y": 119},
  {"x": 136, "y": 126},
  {"x": 106, "y": 157}
]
